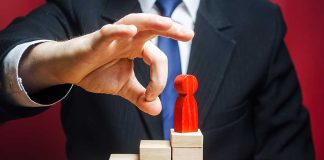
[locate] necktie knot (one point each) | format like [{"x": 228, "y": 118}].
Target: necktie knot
[{"x": 166, "y": 7}]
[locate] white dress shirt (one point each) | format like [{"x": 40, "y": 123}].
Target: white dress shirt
[{"x": 185, "y": 14}]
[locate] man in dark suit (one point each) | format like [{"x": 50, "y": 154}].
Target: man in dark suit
[{"x": 249, "y": 98}]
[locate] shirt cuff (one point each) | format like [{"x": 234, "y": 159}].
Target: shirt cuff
[{"x": 13, "y": 85}]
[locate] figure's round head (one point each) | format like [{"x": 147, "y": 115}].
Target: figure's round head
[{"x": 186, "y": 84}]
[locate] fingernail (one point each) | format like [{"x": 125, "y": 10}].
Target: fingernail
[{"x": 133, "y": 27}]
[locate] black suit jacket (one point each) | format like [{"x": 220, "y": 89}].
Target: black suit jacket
[{"x": 249, "y": 98}]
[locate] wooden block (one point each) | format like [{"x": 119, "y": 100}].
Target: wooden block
[
  {"x": 187, "y": 153},
  {"x": 124, "y": 157},
  {"x": 186, "y": 140},
  {"x": 155, "y": 150}
]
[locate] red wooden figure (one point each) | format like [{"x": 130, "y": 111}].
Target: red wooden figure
[{"x": 186, "y": 110}]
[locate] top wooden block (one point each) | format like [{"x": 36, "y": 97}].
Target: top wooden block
[
  {"x": 186, "y": 140},
  {"x": 124, "y": 157}
]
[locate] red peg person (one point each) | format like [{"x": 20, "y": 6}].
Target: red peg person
[{"x": 186, "y": 109}]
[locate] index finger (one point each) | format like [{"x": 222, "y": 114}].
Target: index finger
[
  {"x": 150, "y": 26},
  {"x": 145, "y": 21}
]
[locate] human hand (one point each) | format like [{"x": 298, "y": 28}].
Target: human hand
[{"x": 102, "y": 61}]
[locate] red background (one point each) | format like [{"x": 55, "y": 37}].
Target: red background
[{"x": 41, "y": 137}]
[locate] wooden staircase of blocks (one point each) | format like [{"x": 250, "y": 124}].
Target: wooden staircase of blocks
[
  {"x": 182, "y": 146},
  {"x": 186, "y": 143}
]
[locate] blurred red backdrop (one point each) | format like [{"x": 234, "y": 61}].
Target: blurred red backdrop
[
  {"x": 41, "y": 137},
  {"x": 37, "y": 138}
]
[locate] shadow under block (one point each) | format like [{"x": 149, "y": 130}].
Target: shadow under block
[
  {"x": 186, "y": 140},
  {"x": 187, "y": 153},
  {"x": 124, "y": 157},
  {"x": 155, "y": 150}
]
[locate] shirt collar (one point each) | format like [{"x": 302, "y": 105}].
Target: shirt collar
[{"x": 191, "y": 5}]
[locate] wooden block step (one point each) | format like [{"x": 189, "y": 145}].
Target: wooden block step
[
  {"x": 186, "y": 140},
  {"x": 155, "y": 150}
]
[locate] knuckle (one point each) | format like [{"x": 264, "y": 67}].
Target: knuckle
[
  {"x": 164, "y": 59},
  {"x": 161, "y": 60},
  {"x": 151, "y": 18},
  {"x": 153, "y": 21},
  {"x": 131, "y": 15},
  {"x": 106, "y": 29},
  {"x": 158, "y": 84}
]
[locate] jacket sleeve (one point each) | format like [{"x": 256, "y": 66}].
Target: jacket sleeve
[
  {"x": 52, "y": 21},
  {"x": 281, "y": 121}
]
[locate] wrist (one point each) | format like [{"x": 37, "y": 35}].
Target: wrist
[{"x": 36, "y": 67}]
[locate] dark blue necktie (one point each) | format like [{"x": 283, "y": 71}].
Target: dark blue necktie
[{"x": 171, "y": 49}]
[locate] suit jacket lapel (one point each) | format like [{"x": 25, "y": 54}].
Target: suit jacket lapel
[
  {"x": 210, "y": 54},
  {"x": 115, "y": 10}
]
